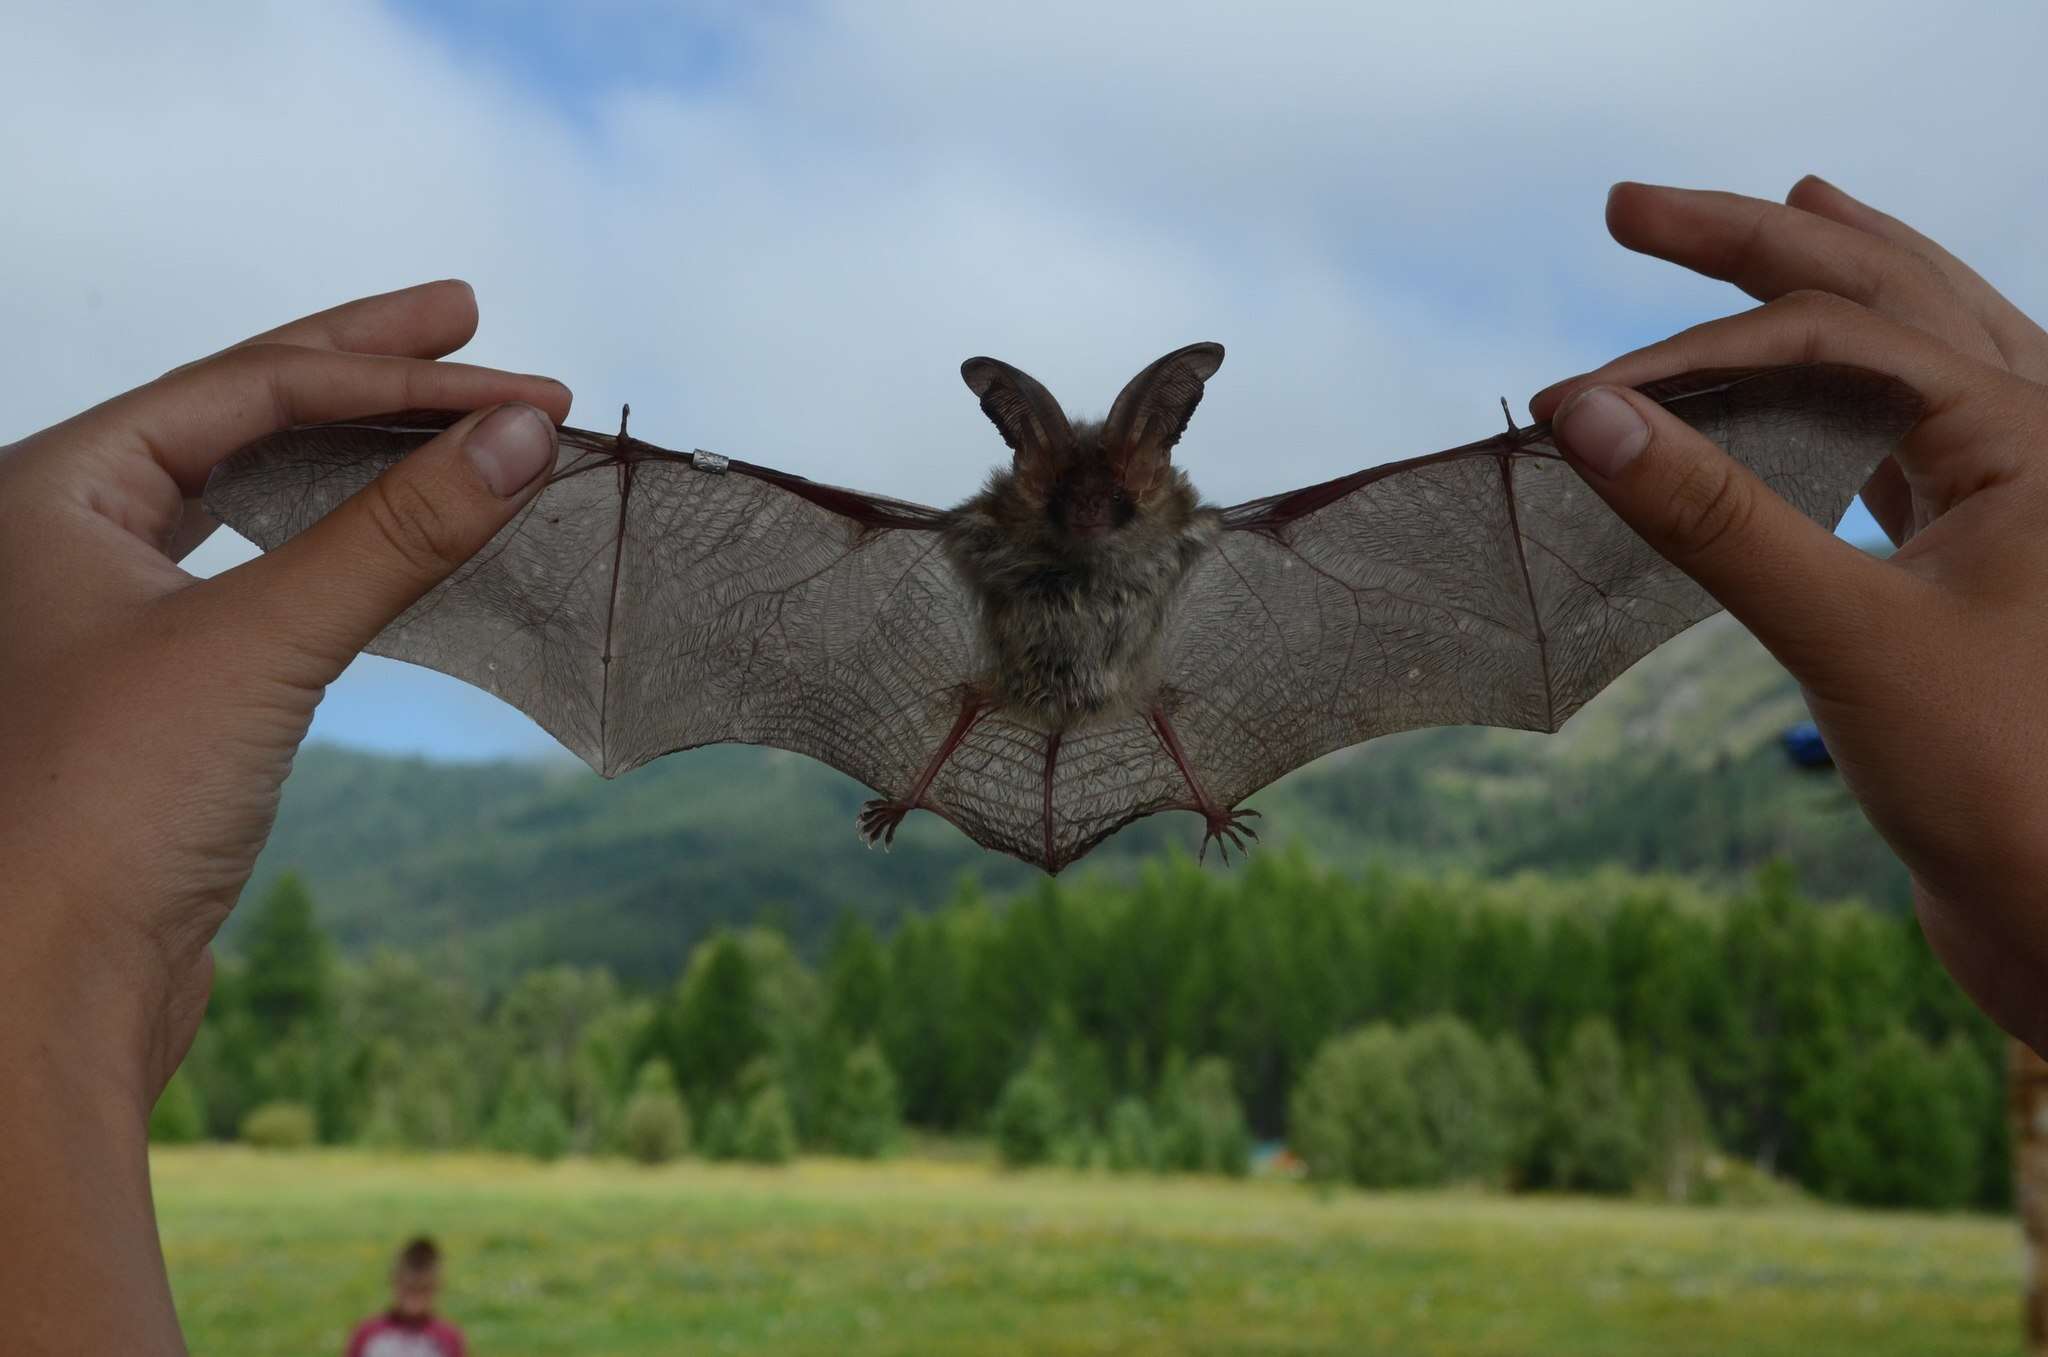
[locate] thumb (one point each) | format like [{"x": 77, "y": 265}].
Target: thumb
[
  {"x": 1806, "y": 594},
  {"x": 327, "y": 592}
]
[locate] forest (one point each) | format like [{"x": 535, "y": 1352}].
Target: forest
[{"x": 1608, "y": 1032}]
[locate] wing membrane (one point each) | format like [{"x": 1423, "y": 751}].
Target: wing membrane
[{"x": 639, "y": 605}]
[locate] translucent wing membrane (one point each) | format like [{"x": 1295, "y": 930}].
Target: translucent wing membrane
[
  {"x": 639, "y": 605},
  {"x": 648, "y": 601},
  {"x": 1485, "y": 585}
]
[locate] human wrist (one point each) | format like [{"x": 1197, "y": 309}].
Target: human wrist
[
  {"x": 80, "y": 1267},
  {"x": 83, "y": 1001}
]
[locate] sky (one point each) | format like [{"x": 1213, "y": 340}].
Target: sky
[{"x": 777, "y": 228}]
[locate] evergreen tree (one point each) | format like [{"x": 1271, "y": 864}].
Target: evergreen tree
[
  {"x": 923, "y": 1026},
  {"x": 856, "y": 981},
  {"x": 286, "y": 971},
  {"x": 716, "y": 1027}
]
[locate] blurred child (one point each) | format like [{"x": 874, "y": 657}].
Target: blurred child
[{"x": 409, "y": 1328}]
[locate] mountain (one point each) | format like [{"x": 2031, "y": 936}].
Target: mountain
[{"x": 496, "y": 866}]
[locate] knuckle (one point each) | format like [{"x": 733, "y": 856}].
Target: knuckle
[
  {"x": 1815, "y": 302},
  {"x": 411, "y": 527},
  {"x": 258, "y": 357},
  {"x": 1711, "y": 508},
  {"x": 1903, "y": 278}
]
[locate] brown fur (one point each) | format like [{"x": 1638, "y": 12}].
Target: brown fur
[{"x": 1070, "y": 622}]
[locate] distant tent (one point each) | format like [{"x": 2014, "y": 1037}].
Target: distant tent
[{"x": 1804, "y": 746}]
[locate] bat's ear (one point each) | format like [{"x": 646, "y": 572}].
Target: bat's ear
[
  {"x": 1024, "y": 413},
  {"x": 1152, "y": 412}
]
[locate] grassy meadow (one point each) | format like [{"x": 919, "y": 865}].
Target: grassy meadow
[{"x": 274, "y": 1254}]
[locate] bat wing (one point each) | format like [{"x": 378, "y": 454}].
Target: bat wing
[
  {"x": 1484, "y": 585},
  {"x": 648, "y": 601}
]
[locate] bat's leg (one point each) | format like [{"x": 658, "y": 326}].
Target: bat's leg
[
  {"x": 878, "y": 819},
  {"x": 1226, "y": 824},
  {"x": 1052, "y": 758}
]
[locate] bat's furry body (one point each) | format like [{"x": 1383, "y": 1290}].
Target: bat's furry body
[
  {"x": 1072, "y": 626},
  {"x": 1084, "y": 642}
]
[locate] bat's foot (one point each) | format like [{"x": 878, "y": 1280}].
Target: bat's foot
[
  {"x": 878, "y": 821},
  {"x": 1227, "y": 828}
]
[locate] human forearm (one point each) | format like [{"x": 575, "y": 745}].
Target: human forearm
[{"x": 81, "y": 1270}]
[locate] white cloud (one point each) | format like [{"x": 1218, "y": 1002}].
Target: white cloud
[{"x": 1390, "y": 214}]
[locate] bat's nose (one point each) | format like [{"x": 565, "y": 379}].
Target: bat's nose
[{"x": 1088, "y": 519}]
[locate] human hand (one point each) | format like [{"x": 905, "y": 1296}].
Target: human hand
[
  {"x": 148, "y": 719},
  {"x": 1922, "y": 670}
]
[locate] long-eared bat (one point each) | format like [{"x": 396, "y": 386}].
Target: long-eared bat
[{"x": 1084, "y": 642}]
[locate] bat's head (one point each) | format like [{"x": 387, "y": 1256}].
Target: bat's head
[{"x": 1093, "y": 483}]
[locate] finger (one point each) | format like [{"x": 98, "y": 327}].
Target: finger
[
  {"x": 327, "y": 592},
  {"x": 427, "y": 320},
  {"x": 1976, "y": 418},
  {"x": 188, "y": 420},
  {"x": 2023, "y": 343},
  {"x": 1770, "y": 249},
  {"x": 1800, "y": 327},
  {"x": 1810, "y": 597}
]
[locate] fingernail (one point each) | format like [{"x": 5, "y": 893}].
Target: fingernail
[
  {"x": 510, "y": 446},
  {"x": 1602, "y": 430}
]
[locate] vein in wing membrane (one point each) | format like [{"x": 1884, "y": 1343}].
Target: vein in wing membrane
[
  {"x": 523, "y": 619},
  {"x": 1484, "y": 585},
  {"x": 639, "y": 605},
  {"x": 748, "y": 613},
  {"x": 1351, "y": 622}
]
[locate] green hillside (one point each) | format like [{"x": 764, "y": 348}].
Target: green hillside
[{"x": 1675, "y": 768}]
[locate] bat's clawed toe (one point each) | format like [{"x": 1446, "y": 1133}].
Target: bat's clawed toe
[
  {"x": 1228, "y": 830},
  {"x": 878, "y": 821}
]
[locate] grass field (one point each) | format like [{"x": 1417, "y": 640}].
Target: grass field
[{"x": 276, "y": 1253}]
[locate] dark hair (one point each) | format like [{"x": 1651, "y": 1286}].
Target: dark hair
[{"x": 420, "y": 1254}]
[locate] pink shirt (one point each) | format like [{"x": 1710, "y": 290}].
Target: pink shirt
[{"x": 387, "y": 1335}]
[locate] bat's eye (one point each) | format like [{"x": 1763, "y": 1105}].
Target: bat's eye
[{"x": 1122, "y": 508}]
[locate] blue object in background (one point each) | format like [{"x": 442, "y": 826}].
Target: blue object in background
[{"x": 1804, "y": 746}]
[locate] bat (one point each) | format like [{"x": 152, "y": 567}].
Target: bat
[{"x": 1085, "y": 641}]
